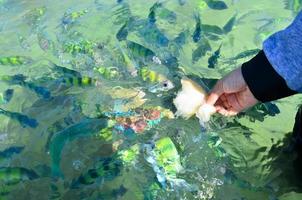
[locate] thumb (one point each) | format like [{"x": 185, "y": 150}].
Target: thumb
[{"x": 216, "y": 92}]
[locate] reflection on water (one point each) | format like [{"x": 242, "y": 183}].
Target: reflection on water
[{"x": 86, "y": 94}]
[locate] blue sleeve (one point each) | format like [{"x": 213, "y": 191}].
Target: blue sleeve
[{"x": 284, "y": 51}]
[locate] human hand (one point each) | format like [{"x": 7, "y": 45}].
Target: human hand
[{"x": 231, "y": 94}]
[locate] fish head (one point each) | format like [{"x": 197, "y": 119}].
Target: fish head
[{"x": 162, "y": 86}]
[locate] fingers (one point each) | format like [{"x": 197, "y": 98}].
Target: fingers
[{"x": 216, "y": 92}]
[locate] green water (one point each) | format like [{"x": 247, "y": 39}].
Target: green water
[{"x": 247, "y": 164}]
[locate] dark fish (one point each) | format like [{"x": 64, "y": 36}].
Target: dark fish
[
  {"x": 19, "y": 79},
  {"x": 170, "y": 61},
  {"x": 197, "y": 32},
  {"x": 108, "y": 169},
  {"x": 213, "y": 59},
  {"x": 8, "y": 95},
  {"x": 212, "y": 36},
  {"x": 247, "y": 53},
  {"x": 9, "y": 152},
  {"x": 153, "y": 35},
  {"x": 15, "y": 175},
  {"x": 202, "y": 49},
  {"x": 166, "y": 14},
  {"x": 66, "y": 72},
  {"x": 139, "y": 51},
  {"x": 229, "y": 25},
  {"x": 22, "y": 119},
  {"x": 180, "y": 39},
  {"x": 216, "y": 5},
  {"x": 207, "y": 28},
  {"x": 121, "y": 191},
  {"x": 122, "y": 14},
  {"x": 119, "y": 1},
  {"x": 293, "y": 5},
  {"x": 269, "y": 108},
  {"x": 86, "y": 127},
  {"x": 152, "y": 12},
  {"x": 231, "y": 178},
  {"x": 157, "y": 10},
  {"x": 122, "y": 33},
  {"x": 182, "y": 2}
]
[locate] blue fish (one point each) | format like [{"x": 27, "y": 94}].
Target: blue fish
[
  {"x": 230, "y": 24},
  {"x": 122, "y": 33},
  {"x": 216, "y": 5},
  {"x": 182, "y": 2},
  {"x": 9, "y": 152},
  {"x": 19, "y": 79},
  {"x": 197, "y": 32},
  {"x": 86, "y": 127},
  {"x": 212, "y": 61},
  {"x": 201, "y": 50},
  {"x": 6, "y": 96},
  {"x": 22, "y": 119}
]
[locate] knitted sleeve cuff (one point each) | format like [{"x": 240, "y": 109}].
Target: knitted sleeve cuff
[{"x": 263, "y": 81}]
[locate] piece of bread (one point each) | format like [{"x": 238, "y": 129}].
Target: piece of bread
[{"x": 190, "y": 100}]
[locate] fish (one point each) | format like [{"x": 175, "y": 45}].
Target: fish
[
  {"x": 212, "y": 61},
  {"x": 216, "y": 4},
  {"x": 107, "y": 169},
  {"x": 9, "y": 152},
  {"x": 197, "y": 32},
  {"x": 83, "y": 81},
  {"x": 293, "y": 5},
  {"x": 122, "y": 32},
  {"x": 139, "y": 51},
  {"x": 166, "y": 14},
  {"x": 44, "y": 41},
  {"x": 70, "y": 18},
  {"x": 108, "y": 72},
  {"x": 182, "y": 2},
  {"x": 86, "y": 127},
  {"x": 180, "y": 39},
  {"x": 34, "y": 16},
  {"x": 191, "y": 100},
  {"x": 19, "y": 79},
  {"x": 213, "y": 29},
  {"x": 15, "y": 60},
  {"x": 245, "y": 54},
  {"x": 152, "y": 12},
  {"x": 162, "y": 83},
  {"x": 230, "y": 24},
  {"x": 121, "y": 191},
  {"x": 130, "y": 64},
  {"x": 202, "y": 49},
  {"x": 270, "y": 108},
  {"x": 23, "y": 42},
  {"x": 6, "y": 96},
  {"x": 15, "y": 175},
  {"x": 153, "y": 35},
  {"x": 66, "y": 72},
  {"x": 158, "y": 10},
  {"x": 122, "y": 14},
  {"x": 81, "y": 47},
  {"x": 24, "y": 120},
  {"x": 163, "y": 156}
]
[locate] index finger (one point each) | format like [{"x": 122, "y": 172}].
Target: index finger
[{"x": 215, "y": 94}]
